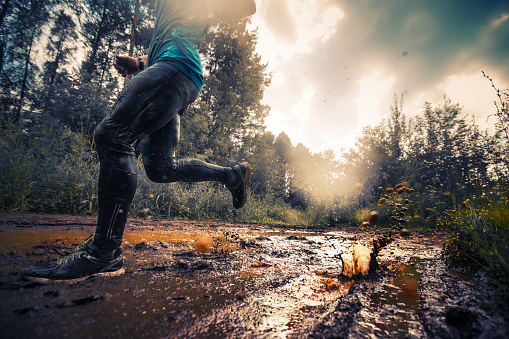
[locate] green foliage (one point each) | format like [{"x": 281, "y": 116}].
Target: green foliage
[
  {"x": 55, "y": 171},
  {"x": 59, "y": 50},
  {"x": 46, "y": 170},
  {"x": 480, "y": 235},
  {"x": 20, "y": 29},
  {"x": 234, "y": 83}
]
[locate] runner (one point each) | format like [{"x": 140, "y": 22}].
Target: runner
[{"x": 147, "y": 113}]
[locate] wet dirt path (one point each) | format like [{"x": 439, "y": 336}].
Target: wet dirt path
[{"x": 252, "y": 281}]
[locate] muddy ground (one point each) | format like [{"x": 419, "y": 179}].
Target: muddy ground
[{"x": 253, "y": 281}]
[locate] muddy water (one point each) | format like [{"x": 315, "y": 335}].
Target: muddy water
[
  {"x": 268, "y": 283},
  {"x": 393, "y": 307},
  {"x": 19, "y": 241}
]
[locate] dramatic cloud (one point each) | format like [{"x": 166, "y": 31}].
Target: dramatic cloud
[{"x": 337, "y": 64}]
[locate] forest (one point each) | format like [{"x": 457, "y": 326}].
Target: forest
[{"x": 436, "y": 170}]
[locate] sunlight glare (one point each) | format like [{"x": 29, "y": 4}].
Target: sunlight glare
[{"x": 375, "y": 92}]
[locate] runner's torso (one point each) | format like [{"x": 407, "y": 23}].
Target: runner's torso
[{"x": 181, "y": 25}]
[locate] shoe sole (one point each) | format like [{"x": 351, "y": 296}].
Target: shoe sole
[
  {"x": 47, "y": 281},
  {"x": 247, "y": 175}
]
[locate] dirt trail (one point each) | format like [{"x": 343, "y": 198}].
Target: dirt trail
[{"x": 254, "y": 281}]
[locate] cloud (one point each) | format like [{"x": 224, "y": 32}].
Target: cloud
[
  {"x": 419, "y": 45},
  {"x": 278, "y": 19}
]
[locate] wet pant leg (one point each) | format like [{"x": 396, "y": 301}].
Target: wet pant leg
[
  {"x": 161, "y": 165},
  {"x": 147, "y": 109}
]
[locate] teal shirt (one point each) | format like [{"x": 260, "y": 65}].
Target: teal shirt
[{"x": 181, "y": 25}]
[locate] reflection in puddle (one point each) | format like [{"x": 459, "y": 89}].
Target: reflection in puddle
[
  {"x": 393, "y": 310},
  {"x": 23, "y": 240}
]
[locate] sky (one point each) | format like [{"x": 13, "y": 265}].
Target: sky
[{"x": 337, "y": 64}]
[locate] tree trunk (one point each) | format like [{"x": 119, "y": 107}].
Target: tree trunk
[
  {"x": 25, "y": 76},
  {"x": 95, "y": 44},
  {"x": 133, "y": 31}
]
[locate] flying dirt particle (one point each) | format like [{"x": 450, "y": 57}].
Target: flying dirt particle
[
  {"x": 447, "y": 194},
  {"x": 358, "y": 187},
  {"x": 388, "y": 239},
  {"x": 331, "y": 285},
  {"x": 389, "y": 190},
  {"x": 373, "y": 217},
  {"x": 203, "y": 244},
  {"x": 326, "y": 274},
  {"x": 404, "y": 232},
  {"x": 259, "y": 264}
]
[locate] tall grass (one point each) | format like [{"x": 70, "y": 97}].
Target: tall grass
[
  {"x": 46, "y": 171},
  {"x": 52, "y": 170}
]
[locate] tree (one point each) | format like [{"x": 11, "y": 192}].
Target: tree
[
  {"x": 367, "y": 167},
  {"x": 450, "y": 149},
  {"x": 59, "y": 49},
  {"x": 20, "y": 27},
  {"x": 83, "y": 99},
  {"x": 233, "y": 88},
  {"x": 106, "y": 31}
]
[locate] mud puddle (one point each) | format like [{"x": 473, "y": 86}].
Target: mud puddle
[
  {"x": 251, "y": 281},
  {"x": 392, "y": 309}
]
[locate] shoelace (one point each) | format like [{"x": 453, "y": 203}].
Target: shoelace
[{"x": 70, "y": 257}]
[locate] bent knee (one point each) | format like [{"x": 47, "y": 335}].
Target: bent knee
[
  {"x": 160, "y": 172},
  {"x": 154, "y": 175}
]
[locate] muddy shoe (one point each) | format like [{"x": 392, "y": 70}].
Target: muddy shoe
[
  {"x": 82, "y": 245},
  {"x": 88, "y": 261},
  {"x": 238, "y": 188}
]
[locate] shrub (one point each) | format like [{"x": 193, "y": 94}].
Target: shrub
[
  {"x": 46, "y": 170},
  {"x": 480, "y": 235}
]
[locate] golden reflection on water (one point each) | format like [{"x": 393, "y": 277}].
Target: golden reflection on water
[{"x": 16, "y": 241}]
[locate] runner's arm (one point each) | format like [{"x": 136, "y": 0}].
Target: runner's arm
[{"x": 127, "y": 65}]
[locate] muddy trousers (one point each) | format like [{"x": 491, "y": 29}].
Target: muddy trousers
[{"x": 146, "y": 113}]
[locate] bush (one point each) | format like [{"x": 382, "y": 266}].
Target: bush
[
  {"x": 46, "y": 170},
  {"x": 480, "y": 235}
]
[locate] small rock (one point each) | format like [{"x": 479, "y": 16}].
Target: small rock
[{"x": 404, "y": 232}]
